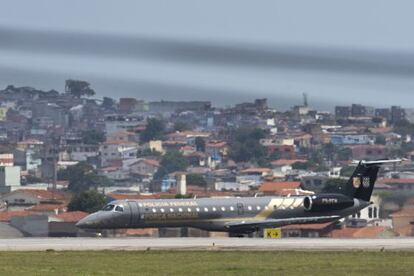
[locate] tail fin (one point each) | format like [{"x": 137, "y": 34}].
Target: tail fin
[{"x": 362, "y": 181}]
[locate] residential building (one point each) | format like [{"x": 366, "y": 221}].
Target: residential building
[{"x": 9, "y": 178}]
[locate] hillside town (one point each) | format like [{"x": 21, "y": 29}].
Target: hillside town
[{"x": 66, "y": 154}]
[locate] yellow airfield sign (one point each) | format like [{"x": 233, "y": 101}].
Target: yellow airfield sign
[{"x": 272, "y": 233}]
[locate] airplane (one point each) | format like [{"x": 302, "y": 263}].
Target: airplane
[{"x": 241, "y": 215}]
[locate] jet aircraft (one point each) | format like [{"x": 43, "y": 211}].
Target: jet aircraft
[{"x": 241, "y": 215}]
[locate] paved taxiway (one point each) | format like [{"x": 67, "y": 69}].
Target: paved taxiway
[{"x": 27, "y": 244}]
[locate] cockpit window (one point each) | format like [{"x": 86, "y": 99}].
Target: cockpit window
[
  {"x": 119, "y": 208},
  {"x": 108, "y": 207}
]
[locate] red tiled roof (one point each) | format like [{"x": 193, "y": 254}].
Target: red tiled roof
[
  {"x": 404, "y": 230},
  {"x": 405, "y": 212},
  {"x": 343, "y": 233},
  {"x": 364, "y": 232},
  {"x": 289, "y": 192},
  {"x": 8, "y": 215},
  {"x": 191, "y": 189},
  {"x": 216, "y": 144},
  {"x": 288, "y": 162},
  {"x": 311, "y": 226},
  {"x": 152, "y": 162},
  {"x": 133, "y": 196},
  {"x": 369, "y": 232},
  {"x": 141, "y": 232},
  {"x": 46, "y": 207},
  {"x": 278, "y": 186},
  {"x": 71, "y": 216},
  {"x": 110, "y": 169},
  {"x": 187, "y": 147},
  {"x": 43, "y": 194}
]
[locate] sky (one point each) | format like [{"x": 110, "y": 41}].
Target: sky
[{"x": 338, "y": 52}]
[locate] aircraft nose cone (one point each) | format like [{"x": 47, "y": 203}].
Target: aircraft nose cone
[
  {"x": 83, "y": 223},
  {"x": 87, "y": 222}
]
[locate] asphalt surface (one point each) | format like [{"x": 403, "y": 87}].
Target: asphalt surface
[{"x": 317, "y": 244}]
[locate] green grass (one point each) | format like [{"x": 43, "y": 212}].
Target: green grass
[{"x": 206, "y": 263}]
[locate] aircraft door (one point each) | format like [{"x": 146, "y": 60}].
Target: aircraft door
[
  {"x": 240, "y": 209},
  {"x": 134, "y": 213}
]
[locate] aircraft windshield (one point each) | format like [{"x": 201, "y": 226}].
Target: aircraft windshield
[
  {"x": 108, "y": 207},
  {"x": 119, "y": 208}
]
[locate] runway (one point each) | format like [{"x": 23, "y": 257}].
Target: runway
[{"x": 245, "y": 244}]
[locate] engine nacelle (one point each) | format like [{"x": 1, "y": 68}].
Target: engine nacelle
[{"x": 327, "y": 202}]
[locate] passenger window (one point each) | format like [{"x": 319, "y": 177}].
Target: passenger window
[
  {"x": 180, "y": 210},
  {"x": 108, "y": 207},
  {"x": 258, "y": 208},
  {"x": 154, "y": 210},
  {"x": 189, "y": 209},
  {"x": 119, "y": 208},
  {"x": 249, "y": 208},
  {"x": 214, "y": 209},
  {"x": 162, "y": 210},
  {"x": 206, "y": 209},
  {"x": 171, "y": 210},
  {"x": 198, "y": 209},
  {"x": 223, "y": 209},
  {"x": 231, "y": 208}
]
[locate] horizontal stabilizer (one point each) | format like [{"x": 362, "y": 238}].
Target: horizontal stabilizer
[{"x": 377, "y": 162}]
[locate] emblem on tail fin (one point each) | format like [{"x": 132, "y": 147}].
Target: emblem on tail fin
[
  {"x": 365, "y": 182},
  {"x": 356, "y": 182}
]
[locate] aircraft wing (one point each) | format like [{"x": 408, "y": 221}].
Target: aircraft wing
[{"x": 240, "y": 225}]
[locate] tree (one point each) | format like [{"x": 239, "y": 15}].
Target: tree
[
  {"x": 344, "y": 154},
  {"x": 200, "y": 144},
  {"x": 404, "y": 127},
  {"x": 154, "y": 130},
  {"x": 87, "y": 201},
  {"x": 196, "y": 179},
  {"x": 92, "y": 137},
  {"x": 172, "y": 161},
  {"x": 347, "y": 171},
  {"x": 263, "y": 162},
  {"x": 300, "y": 166},
  {"x": 82, "y": 176},
  {"x": 108, "y": 103},
  {"x": 380, "y": 140},
  {"x": 328, "y": 151},
  {"x": 246, "y": 145},
  {"x": 147, "y": 152},
  {"x": 181, "y": 126},
  {"x": 275, "y": 155},
  {"x": 335, "y": 185},
  {"x": 79, "y": 88}
]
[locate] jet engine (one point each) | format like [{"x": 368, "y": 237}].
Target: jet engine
[{"x": 327, "y": 202}]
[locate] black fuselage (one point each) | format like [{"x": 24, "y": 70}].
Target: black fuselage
[{"x": 212, "y": 214}]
